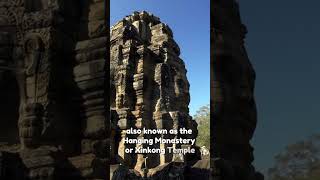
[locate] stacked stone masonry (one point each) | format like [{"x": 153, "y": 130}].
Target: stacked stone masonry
[{"x": 149, "y": 87}]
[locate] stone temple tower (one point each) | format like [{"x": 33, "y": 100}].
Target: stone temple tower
[
  {"x": 149, "y": 86},
  {"x": 232, "y": 94}
]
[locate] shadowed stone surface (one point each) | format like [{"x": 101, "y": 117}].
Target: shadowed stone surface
[
  {"x": 232, "y": 93},
  {"x": 52, "y": 80}
]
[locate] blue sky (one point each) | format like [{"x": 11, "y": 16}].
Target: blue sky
[
  {"x": 190, "y": 23},
  {"x": 283, "y": 45}
]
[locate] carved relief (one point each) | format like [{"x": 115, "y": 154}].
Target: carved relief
[
  {"x": 149, "y": 72},
  {"x": 12, "y": 3},
  {"x": 52, "y": 97},
  {"x": 34, "y": 49}
]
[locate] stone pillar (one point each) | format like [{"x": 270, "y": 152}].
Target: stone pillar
[
  {"x": 30, "y": 126},
  {"x": 90, "y": 75}
]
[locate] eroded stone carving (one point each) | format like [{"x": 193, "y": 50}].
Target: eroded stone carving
[
  {"x": 149, "y": 83},
  {"x": 57, "y": 56}
]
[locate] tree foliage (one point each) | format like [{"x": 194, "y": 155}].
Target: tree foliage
[
  {"x": 299, "y": 161},
  {"x": 203, "y": 119}
]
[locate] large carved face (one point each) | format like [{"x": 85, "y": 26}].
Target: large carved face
[
  {"x": 180, "y": 87},
  {"x": 181, "y": 84},
  {"x": 232, "y": 88}
]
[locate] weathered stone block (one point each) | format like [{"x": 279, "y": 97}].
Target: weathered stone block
[
  {"x": 89, "y": 69},
  {"x": 95, "y": 127}
]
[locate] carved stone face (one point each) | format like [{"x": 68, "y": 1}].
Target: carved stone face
[
  {"x": 233, "y": 85},
  {"x": 182, "y": 91},
  {"x": 234, "y": 110},
  {"x": 179, "y": 86},
  {"x": 155, "y": 84}
]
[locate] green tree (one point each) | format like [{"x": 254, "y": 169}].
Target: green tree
[
  {"x": 203, "y": 119},
  {"x": 299, "y": 161}
]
